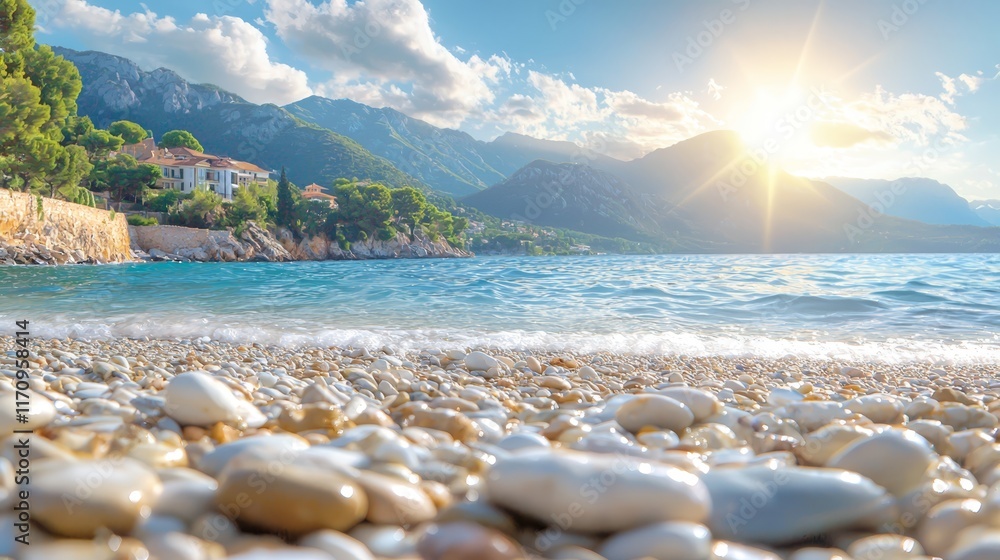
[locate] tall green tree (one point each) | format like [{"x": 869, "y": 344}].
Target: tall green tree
[
  {"x": 17, "y": 25},
  {"x": 77, "y": 128},
  {"x": 409, "y": 206},
  {"x": 59, "y": 82},
  {"x": 72, "y": 166},
  {"x": 286, "y": 202},
  {"x": 21, "y": 119},
  {"x": 99, "y": 143},
  {"x": 126, "y": 178},
  {"x": 37, "y": 100},
  {"x": 180, "y": 139},
  {"x": 129, "y": 131}
]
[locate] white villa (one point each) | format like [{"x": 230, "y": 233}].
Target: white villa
[{"x": 187, "y": 170}]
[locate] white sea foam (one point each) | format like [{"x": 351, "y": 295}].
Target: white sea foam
[{"x": 663, "y": 343}]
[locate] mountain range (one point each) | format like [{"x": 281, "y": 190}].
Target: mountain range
[
  {"x": 915, "y": 198},
  {"x": 988, "y": 210},
  {"x": 450, "y": 160},
  {"x": 116, "y": 88},
  {"x": 703, "y": 194}
]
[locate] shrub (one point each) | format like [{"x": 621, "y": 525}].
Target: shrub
[
  {"x": 386, "y": 233},
  {"x": 137, "y": 220},
  {"x": 165, "y": 200},
  {"x": 203, "y": 210}
]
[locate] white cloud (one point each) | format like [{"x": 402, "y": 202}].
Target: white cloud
[
  {"x": 972, "y": 82},
  {"x": 623, "y": 123},
  {"x": 567, "y": 105},
  {"x": 225, "y": 51},
  {"x": 917, "y": 118},
  {"x": 888, "y": 119},
  {"x": 952, "y": 87},
  {"x": 714, "y": 89},
  {"x": 386, "y": 49}
]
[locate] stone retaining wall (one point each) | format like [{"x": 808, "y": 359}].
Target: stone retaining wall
[{"x": 63, "y": 227}]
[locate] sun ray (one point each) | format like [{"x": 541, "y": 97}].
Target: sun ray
[{"x": 769, "y": 210}]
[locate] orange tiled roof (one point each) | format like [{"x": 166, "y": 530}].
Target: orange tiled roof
[{"x": 186, "y": 156}]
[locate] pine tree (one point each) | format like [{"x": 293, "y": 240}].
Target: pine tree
[{"x": 286, "y": 202}]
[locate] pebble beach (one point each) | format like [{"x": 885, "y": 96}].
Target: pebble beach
[{"x": 195, "y": 449}]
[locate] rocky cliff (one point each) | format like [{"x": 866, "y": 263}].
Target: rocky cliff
[
  {"x": 402, "y": 246},
  {"x": 58, "y": 232},
  {"x": 257, "y": 244}
]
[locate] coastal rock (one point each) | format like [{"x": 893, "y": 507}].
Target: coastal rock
[
  {"x": 657, "y": 411},
  {"x": 296, "y": 501},
  {"x": 777, "y": 505},
  {"x": 676, "y": 540},
  {"x": 586, "y": 492},
  {"x": 76, "y": 499},
  {"x": 196, "y": 398}
]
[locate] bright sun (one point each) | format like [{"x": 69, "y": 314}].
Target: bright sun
[{"x": 769, "y": 114}]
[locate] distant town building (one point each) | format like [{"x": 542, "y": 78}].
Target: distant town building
[
  {"x": 142, "y": 150},
  {"x": 315, "y": 192}
]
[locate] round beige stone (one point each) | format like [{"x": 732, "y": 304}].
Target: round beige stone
[
  {"x": 451, "y": 541},
  {"x": 78, "y": 499},
  {"x": 393, "y": 502},
  {"x": 656, "y": 411},
  {"x": 895, "y": 459},
  {"x": 294, "y": 501}
]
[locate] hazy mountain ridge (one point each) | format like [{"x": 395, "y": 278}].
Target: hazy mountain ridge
[
  {"x": 710, "y": 190},
  {"x": 988, "y": 210},
  {"x": 914, "y": 198},
  {"x": 449, "y": 160},
  {"x": 115, "y": 88},
  {"x": 572, "y": 196}
]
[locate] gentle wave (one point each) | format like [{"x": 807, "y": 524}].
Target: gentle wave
[
  {"x": 665, "y": 343},
  {"x": 885, "y": 307}
]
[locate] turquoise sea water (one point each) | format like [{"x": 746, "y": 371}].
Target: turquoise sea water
[{"x": 887, "y": 307}]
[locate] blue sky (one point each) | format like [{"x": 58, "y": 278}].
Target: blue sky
[{"x": 867, "y": 88}]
